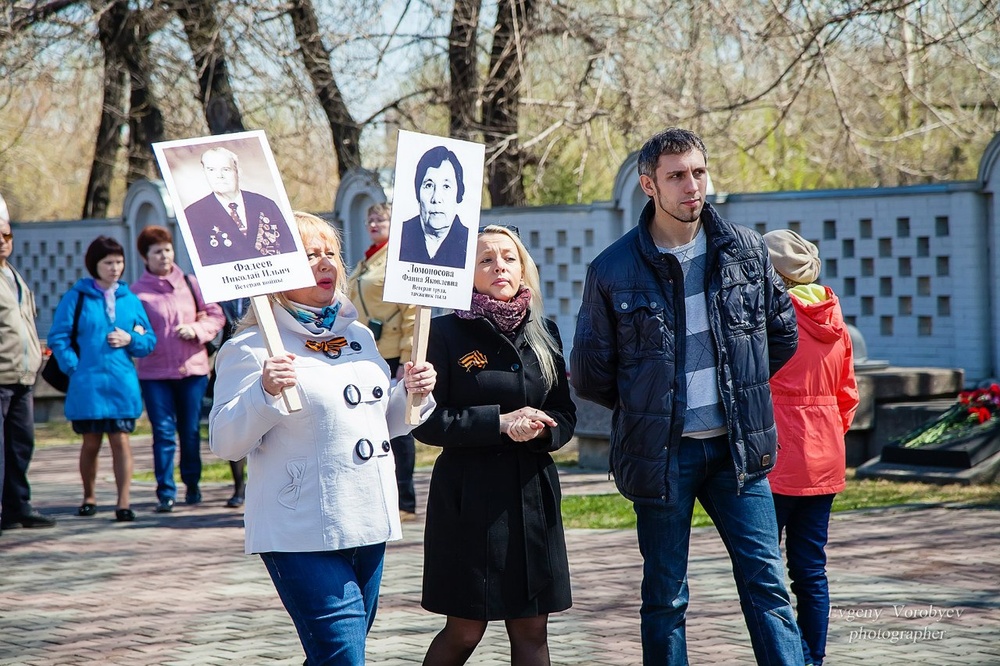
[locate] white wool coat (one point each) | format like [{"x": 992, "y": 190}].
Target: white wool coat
[{"x": 309, "y": 489}]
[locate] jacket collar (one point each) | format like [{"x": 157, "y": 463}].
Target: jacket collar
[
  {"x": 518, "y": 342},
  {"x": 175, "y": 278},
  {"x": 89, "y": 287},
  {"x": 717, "y": 230},
  {"x": 348, "y": 315}
]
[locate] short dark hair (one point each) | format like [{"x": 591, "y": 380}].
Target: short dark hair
[
  {"x": 671, "y": 141},
  {"x": 152, "y": 235},
  {"x": 434, "y": 158},
  {"x": 100, "y": 247}
]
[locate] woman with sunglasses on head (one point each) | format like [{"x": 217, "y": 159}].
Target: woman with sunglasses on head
[
  {"x": 494, "y": 547},
  {"x": 321, "y": 496}
]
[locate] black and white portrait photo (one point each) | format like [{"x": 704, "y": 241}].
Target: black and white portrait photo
[
  {"x": 436, "y": 235},
  {"x": 230, "y": 223},
  {"x": 437, "y": 199}
]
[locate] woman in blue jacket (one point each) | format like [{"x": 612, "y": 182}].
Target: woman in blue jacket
[{"x": 103, "y": 395}]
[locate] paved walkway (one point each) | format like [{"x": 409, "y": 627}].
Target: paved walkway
[{"x": 910, "y": 586}]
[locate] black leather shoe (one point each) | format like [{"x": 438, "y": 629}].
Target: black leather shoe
[
  {"x": 124, "y": 515},
  {"x": 32, "y": 519},
  {"x": 235, "y": 502},
  {"x": 193, "y": 496},
  {"x": 165, "y": 506}
]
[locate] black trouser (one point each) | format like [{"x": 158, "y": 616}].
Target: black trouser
[
  {"x": 17, "y": 438},
  {"x": 404, "y": 451}
]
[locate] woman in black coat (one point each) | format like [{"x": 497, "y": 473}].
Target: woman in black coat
[{"x": 494, "y": 547}]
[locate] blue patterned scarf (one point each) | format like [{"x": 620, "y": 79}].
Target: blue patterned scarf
[{"x": 318, "y": 318}]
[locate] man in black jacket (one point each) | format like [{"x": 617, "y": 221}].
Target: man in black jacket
[{"x": 682, "y": 324}]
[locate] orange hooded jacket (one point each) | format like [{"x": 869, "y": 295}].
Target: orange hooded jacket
[{"x": 815, "y": 398}]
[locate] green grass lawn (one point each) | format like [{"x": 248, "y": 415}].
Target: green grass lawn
[
  {"x": 613, "y": 511},
  {"x": 61, "y": 432}
]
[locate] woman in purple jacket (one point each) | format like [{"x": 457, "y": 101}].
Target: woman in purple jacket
[{"x": 174, "y": 377}]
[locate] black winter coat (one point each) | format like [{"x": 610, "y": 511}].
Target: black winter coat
[
  {"x": 625, "y": 355},
  {"x": 493, "y": 543}
]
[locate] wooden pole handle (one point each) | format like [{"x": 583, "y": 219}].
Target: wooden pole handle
[
  {"x": 421, "y": 326},
  {"x": 272, "y": 338}
]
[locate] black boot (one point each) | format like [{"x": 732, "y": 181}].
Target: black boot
[{"x": 238, "y": 468}]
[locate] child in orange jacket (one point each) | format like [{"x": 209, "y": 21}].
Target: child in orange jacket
[{"x": 815, "y": 397}]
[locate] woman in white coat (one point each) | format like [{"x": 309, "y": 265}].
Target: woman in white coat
[{"x": 321, "y": 498}]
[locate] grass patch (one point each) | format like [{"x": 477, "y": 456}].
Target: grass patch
[
  {"x": 608, "y": 511},
  {"x": 426, "y": 454},
  {"x": 615, "y": 512},
  {"x": 61, "y": 432},
  {"x": 212, "y": 470}
]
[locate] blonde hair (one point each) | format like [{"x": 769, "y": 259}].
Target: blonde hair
[
  {"x": 383, "y": 209},
  {"x": 536, "y": 333},
  {"x": 311, "y": 228}
]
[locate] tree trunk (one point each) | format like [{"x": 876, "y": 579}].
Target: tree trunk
[
  {"x": 109, "y": 31},
  {"x": 501, "y": 100},
  {"x": 462, "y": 63},
  {"x": 145, "y": 120},
  {"x": 204, "y": 34},
  {"x": 345, "y": 130}
]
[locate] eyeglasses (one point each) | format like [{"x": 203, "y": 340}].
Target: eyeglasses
[
  {"x": 509, "y": 227},
  {"x": 8, "y": 236}
]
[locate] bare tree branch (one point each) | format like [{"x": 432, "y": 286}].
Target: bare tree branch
[
  {"x": 204, "y": 34},
  {"x": 346, "y": 131},
  {"x": 462, "y": 64}
]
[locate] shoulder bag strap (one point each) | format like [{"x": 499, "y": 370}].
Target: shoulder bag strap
[
  {"x": 361, "y": 297},
  {"x": 76, "y": 323},
  {"x": 194, "y": 296}
]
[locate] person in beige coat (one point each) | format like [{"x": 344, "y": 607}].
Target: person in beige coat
[
  {"x": 20, "y": 359},
  {"x": 392, "y": 326}
]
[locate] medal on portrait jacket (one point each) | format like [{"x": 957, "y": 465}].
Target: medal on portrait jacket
[
  {"x": 267, "y": 236},
  {"x": 216, "y": 235}
]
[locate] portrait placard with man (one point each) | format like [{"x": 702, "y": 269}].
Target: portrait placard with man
[{"x": 233, "y": 214}]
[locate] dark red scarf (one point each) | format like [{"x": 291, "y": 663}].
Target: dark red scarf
[
  {"x": 374, "y": 248},
  {"x": 507, "y": 316}
]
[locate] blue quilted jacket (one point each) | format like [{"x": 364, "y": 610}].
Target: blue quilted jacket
[
  {"x": 625, "y": 357},
  {"x": 102, "y": 381}
]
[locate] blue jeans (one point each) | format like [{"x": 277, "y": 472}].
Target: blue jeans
[
  {"x": 332, "y": 597},
  {"x": 805, "y": 522},
  {"x": 174, "y": 410},
  {"x": 746, "y": 523}
]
